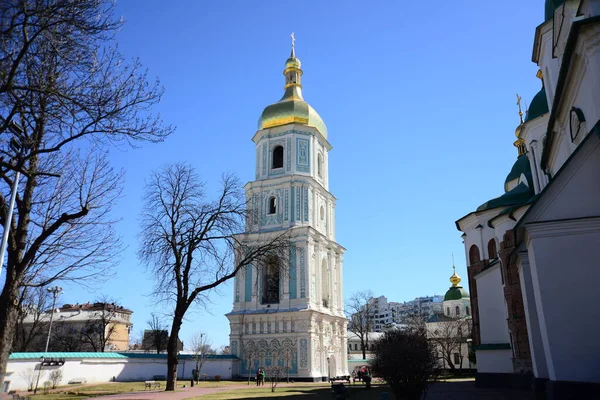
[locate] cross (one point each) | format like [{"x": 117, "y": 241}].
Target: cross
[
  {"x": 519, "y": 104},
  {"x": 293, "y": 39}
]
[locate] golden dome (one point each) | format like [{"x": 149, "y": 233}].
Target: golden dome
[
  {"x": 292, "y": 109},
  {"x": 455, "y": 279},
  {"x": 292, "y": 62}
]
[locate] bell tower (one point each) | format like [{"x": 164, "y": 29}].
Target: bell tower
[{"x": 296, "y": 318}]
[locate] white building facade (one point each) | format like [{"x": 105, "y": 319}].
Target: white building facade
[
  {"x": 299, "y": 312},
  {"x": 545, "y": 234}
]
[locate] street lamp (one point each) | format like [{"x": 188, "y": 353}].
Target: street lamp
[
  {"x": 19, "y": 144},
  {"x": 55, "y": 291},
  {"x": 42, "y": 359}
]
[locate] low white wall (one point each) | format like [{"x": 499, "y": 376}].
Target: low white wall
[
  {"x": 494, "y": 361},
  {"x": 98, "y": 370}
]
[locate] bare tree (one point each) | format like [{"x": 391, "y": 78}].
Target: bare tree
[
  {"x": 32, "y": 321},
  {"x": 202, "y": 350},
  {"x": 101, "y": 324},
  {"x": 68, "y": 338},
  {"x": 287, "y": 357},
  {"x": 55, "y": 377},
  {"x": 449, "y": 336},
  {"x": 62, "y": 81},
  {"x": 193, "y": 244},
  {"x": 29, "y": 376},
  {"x": 360, "y": 309},
  {"x": 274, "y": 374},
  {"x": 225, "y": 350},
  {"x": 157, "y": 337},
  {"x": 250, "y": 353}
]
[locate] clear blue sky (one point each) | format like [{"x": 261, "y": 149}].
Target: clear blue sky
[{"x": 419, "y": 100}]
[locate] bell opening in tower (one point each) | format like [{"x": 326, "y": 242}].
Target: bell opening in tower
[
  {"x": 278, "y": 157},
  {"x": 270, "y": 293}
]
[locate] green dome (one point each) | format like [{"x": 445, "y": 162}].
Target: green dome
[
  {"x": 550, "y": 7},
  {"x": 519, "y": 195},
  {"x": 538, "y": 107},
  {"x": 456, "y": 293},
  {"x": 521, "y": 166}
]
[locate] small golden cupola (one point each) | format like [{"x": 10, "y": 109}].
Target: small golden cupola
[
  {"x": 454, "y": 279},
  {"x": 292, "y": 109},
  {"x": 520, "y": 143},
  {"x": 456, "y": 292}
]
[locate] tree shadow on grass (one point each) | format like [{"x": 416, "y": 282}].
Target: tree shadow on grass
[{"x": 314, "y": 393}]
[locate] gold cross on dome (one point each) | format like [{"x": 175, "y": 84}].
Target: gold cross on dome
[
  {"x": 519, "y": 104},
  {"x": 293, "y": 39}
]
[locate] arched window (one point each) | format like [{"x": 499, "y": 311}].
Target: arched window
[
  {"x": 272, "y": 205},
  {"x": 278, "y": 157},
  {"x": 467, "y": 310},
  {"x": 324, "y": 284},
  {"x": 448, "y": 310},
  {"x": 474, "y": 255},
  {"x": 457, "y": 310},
  {"x": 492, "y": 252},
  {"x": 270, "y": 292},
  {"x": 320, "y": 165}
]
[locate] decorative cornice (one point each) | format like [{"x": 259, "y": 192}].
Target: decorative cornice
[{"x": 563, "y": 227}]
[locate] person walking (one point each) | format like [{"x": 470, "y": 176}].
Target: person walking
[{"x": 258, "y": 376}]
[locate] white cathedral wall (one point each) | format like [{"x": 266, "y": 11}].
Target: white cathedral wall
[
  {"x": 494, "y": 361},
  {"x": 538, "y": 356},
  {"x": 564, "y": 276},
  {"x": 491, "y": 307},
  {"x": 549, "y": 65}
]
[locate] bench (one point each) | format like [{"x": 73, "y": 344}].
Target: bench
[
  {"x": 18, "y": 397},
  {"x": 77, "y": 380},
  {"x": 151, "y": 385}
]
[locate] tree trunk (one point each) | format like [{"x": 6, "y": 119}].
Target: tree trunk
[
  {"x": 364, "y": 349},
  {"x": 172, "y": 359},
  {"x": 8, "y": 319}
]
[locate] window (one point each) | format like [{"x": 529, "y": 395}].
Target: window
[
  {"x": 272, "y": 205},
  {"x": 278, "y": 157},
  {"x": 474, "y": 255},
  {"x": 270, "y": 292},
  {"x": 492, "y": 252},
  {"x": 320, "y": 165},
  {"x": 457, "y": 310},
  {"x": 448, "y": 310},
  {"x": 456, "y": 358},
  {"x": 322, "y": 213},
  {"x": 349, "y": 346},
  {"x": 355, "y": 346},
  {"x": 467, "y": 310}
]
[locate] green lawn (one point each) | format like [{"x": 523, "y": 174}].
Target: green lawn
[
  {"x": 314, "y": 391},
  {"x": 103, "y": 389}
]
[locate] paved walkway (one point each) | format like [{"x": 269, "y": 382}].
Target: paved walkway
[{"x": 468, "y": 391}]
